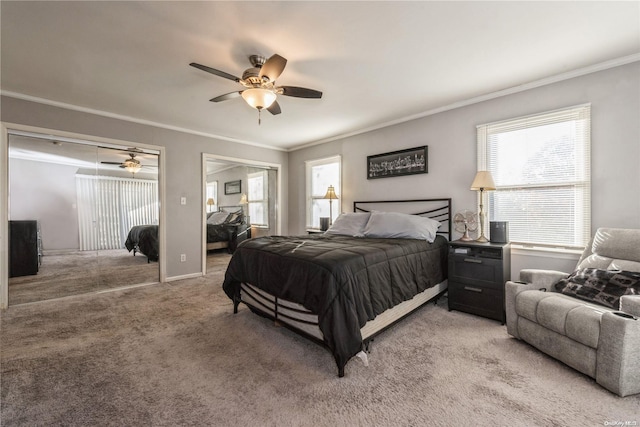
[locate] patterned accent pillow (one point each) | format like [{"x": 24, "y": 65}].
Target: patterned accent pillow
[{"x": 604, "y": 287}]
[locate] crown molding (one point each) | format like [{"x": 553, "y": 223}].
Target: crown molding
[
  {"x": 131, "y": 119},
  {"x": 497, "y": 94}
]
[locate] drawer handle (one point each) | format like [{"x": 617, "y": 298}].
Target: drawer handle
[
  {"x": 469, "y": 288},
  {"x": 473, "y": 260}
]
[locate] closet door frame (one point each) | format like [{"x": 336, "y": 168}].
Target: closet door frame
[{"x": 5, "y": 130}]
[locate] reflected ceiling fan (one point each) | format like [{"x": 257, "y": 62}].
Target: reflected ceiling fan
[
  {"x": 131, "y": 164},
  {"x": 260, "y": 90}
]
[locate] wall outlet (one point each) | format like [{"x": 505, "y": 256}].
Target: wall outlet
[{"x": 183, "y": 257}]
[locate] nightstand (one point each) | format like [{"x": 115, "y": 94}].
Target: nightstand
[
  {"x": 477, "y": 274},
  {"x": 311, "y": 231}
]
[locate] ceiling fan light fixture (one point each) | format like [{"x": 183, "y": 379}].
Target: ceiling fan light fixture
[
  {"x": 132, "y": 165},
  {"x": 259, "y": 98}
]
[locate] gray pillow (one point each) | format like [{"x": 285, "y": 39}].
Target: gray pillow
[
  {"x": 218, "y": 218},
  {"x": 350, "y": 224},
  {"x": 403, "y": 226}
]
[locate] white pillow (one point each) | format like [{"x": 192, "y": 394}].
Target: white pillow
[
  {"x": 399, "y": 225},
  {"x": 350, "y": 224},
  {"x": 217, "y": 218}
]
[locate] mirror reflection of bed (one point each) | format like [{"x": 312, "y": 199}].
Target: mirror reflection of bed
[
  {"x": 63, "y": 189},
  {"x": 227, "y": 227}
]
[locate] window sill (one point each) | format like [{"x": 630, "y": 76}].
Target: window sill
[{"x": 566, "y": 253}]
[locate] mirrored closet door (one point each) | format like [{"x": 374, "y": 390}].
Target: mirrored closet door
[
  {"x": 72, "y": 209},
  {"x": 240, "y": 202}
]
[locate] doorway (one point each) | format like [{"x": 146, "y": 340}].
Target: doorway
[{"x": 80, "y": 198}]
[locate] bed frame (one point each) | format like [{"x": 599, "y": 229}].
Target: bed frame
[{"x": 304, "y": 322}]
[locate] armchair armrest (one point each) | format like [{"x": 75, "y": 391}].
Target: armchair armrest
[
  {"x": 630, "y": 304},
  {"x": 542, "y": 278},
  {"x": 618, "y": 354},
  {"x": 511, "y": 291}
]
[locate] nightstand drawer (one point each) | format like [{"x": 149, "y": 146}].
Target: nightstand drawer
[
  {"x": 483, "y": 271},
  {"x": 476, "y": 300},
  {"x": 477, "y": 274}
]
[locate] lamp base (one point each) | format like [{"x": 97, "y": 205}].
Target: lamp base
[{"x": 482, "y": 239}]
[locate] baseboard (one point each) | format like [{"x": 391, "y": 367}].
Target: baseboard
[{"x": 184, "y": 276}]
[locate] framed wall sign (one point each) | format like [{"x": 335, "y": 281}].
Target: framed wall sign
[
  {"x": 233, "y": 187},
  {"x": 398, "y": 163}
]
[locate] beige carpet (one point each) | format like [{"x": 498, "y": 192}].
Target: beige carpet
[
  {"x": 81, "y": 272},
  {"x": 174, "y": 354}
]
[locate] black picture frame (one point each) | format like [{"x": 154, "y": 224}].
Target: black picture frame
[
  {"x": 410, "y": 161},
  {"x": 233, "y": 187}
]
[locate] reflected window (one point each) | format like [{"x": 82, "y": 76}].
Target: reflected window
[{"x": 258, "y": 198}]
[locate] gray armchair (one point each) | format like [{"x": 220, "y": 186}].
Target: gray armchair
[{"x": 598, "y": 341}]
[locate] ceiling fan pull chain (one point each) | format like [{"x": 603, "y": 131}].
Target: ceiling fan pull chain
[{"x": 259, "y": 118}]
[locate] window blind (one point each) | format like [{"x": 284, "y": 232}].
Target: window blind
[
  {"x": 541, "y": 167},
  {"x": 108, "y": 207}
]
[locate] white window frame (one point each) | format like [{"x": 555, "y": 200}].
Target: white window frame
[
  {"x": 264, "y": 200},
  {"x": 580, "y": 185},
  {"x": 336, "y": 205}
]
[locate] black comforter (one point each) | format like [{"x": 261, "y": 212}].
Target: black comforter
[
  {"x": 144, "y": 238},
  {"x": 345, "y": 281}
]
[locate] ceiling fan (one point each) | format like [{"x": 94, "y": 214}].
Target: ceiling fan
[
  {"x": 131, "y": 164},
  {"x": 260, "y": 90}
]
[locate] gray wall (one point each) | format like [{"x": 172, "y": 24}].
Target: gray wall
[
  {"x": 183, "y": 173},
  {"x": 233, "y": 174},
  {"x": 46, "y": 192},
  {"x": 614, "y": 95}
]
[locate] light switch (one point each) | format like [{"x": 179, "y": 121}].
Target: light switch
[{"x": 183, "y": 200}]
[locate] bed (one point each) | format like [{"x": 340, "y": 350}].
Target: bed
[
  {"x": 143, "y": 239},
  {"x": 340, "y": 290},
  {"x": 226, "y": 228}
]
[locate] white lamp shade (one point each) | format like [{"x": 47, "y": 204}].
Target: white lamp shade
[
  {"x": 243, "y": 200},
  {"x": 483, "y": 181},
  {"x": 259, "y": 98}
]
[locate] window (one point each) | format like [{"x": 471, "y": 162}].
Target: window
[
  {"x": 212, "y": 193},
  {"x": 541, "y": 168},
  {"x": 320, "y": 175},
  {"x": 258, "y": 198}
]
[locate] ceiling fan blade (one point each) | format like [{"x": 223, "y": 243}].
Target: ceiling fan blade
[
  {"x": 273, "y": 67},
  {"x": 111, "y": 163},
  {"x": 300, "y": 92},
  {"x": 215, "y": 72},
  {"x": 274, "y": 108},
  {"x": 226, "y": 96}
]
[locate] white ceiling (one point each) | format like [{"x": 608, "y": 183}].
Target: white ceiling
[{"x": 376, "y": 62}]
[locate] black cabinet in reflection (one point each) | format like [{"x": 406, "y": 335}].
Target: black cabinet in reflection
[{"x": 23, "y": 248}]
